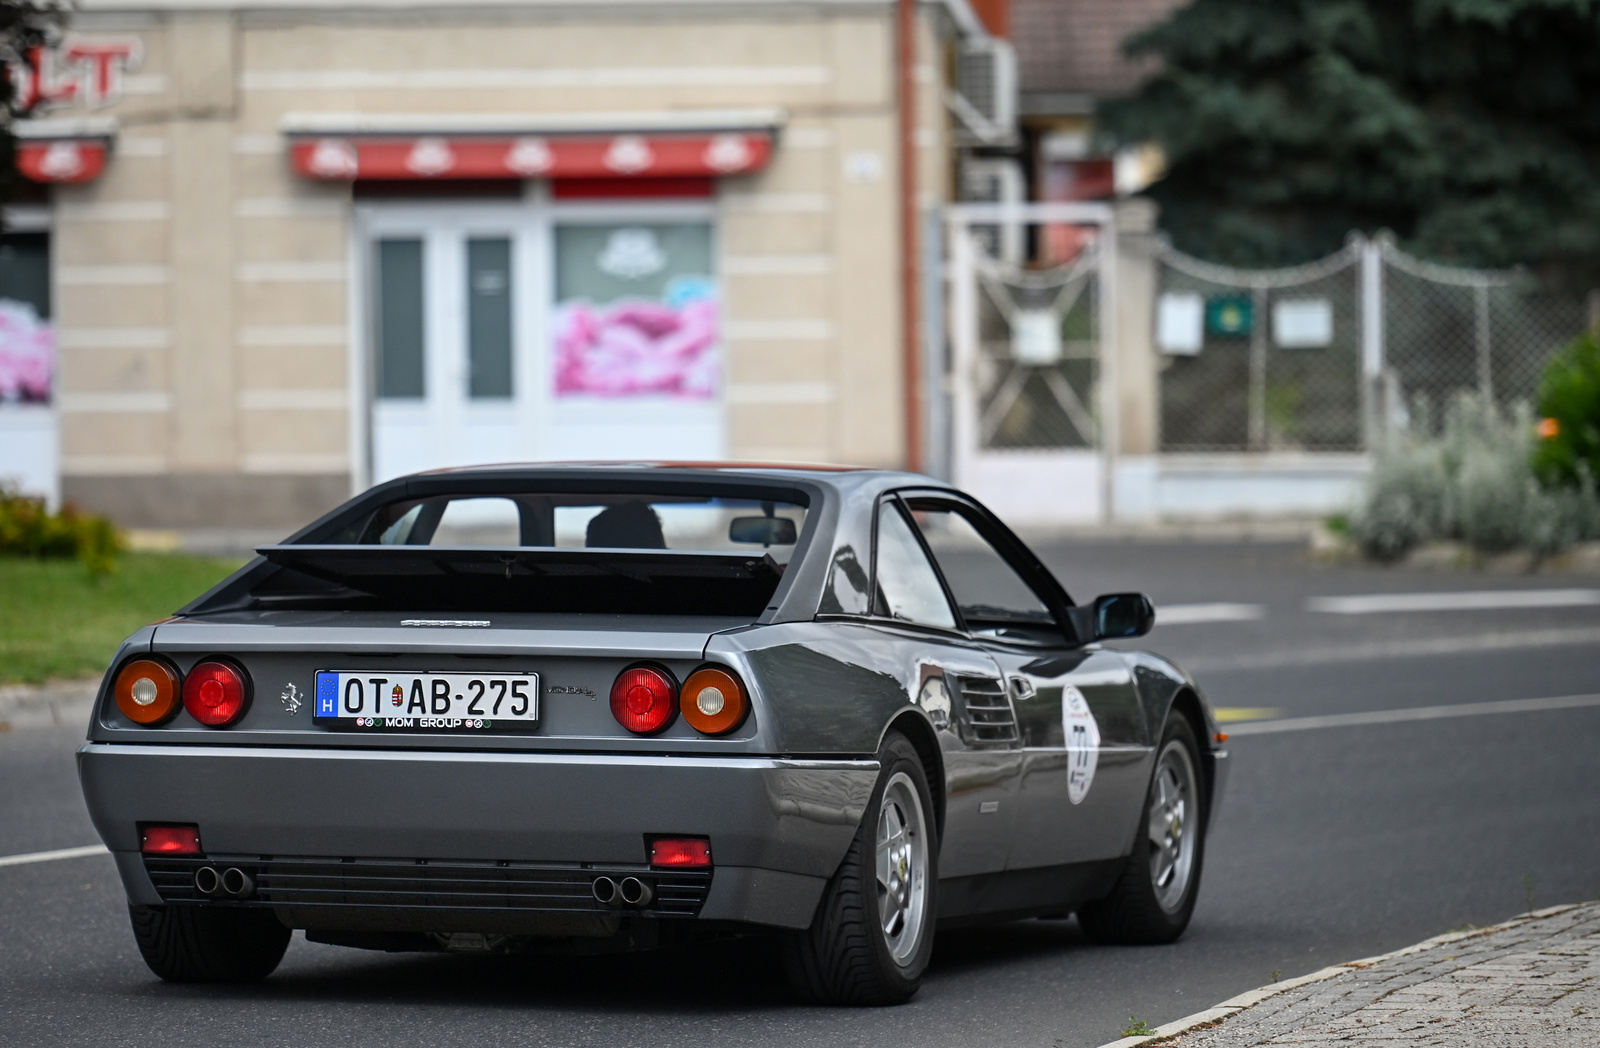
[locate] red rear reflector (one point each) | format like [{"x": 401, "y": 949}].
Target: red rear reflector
[
  {"x": 170, "y": 840},
  {"x": 680, "y": 853}
]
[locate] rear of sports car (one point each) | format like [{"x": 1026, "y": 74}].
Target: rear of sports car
[{"x": 469, "y": 713}]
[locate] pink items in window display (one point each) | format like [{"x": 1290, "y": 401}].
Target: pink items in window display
[
  {"x": 27, "y": 354},
  {"x": 636, "y": 347}
]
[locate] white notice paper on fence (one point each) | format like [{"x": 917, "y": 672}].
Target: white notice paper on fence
[
  {"x": 1302, "y": 323},
  {"x": 1180, "y": 323}
]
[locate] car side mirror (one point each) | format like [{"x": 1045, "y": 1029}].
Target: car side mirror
[
  {"x": 767, "y": 531},
  {"x": 1121, "y": 615}
]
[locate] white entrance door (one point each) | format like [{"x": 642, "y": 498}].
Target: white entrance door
[
  {"x": 454, "y": 365},
  {"x": 542, "y": 331}
]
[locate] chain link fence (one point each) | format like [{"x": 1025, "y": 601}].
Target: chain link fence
[
  {"x": 1260, "y": 360},
  {"x": 1450, "y": 331},
  {"x": 1340, "y": 353}
]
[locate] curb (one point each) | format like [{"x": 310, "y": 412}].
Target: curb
[
  {"x": 1234, "y": 1005},
  {"x": 57, "y": 704}
]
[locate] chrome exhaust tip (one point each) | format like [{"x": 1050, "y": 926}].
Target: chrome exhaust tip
[
  {"x": 237, "y": 883},
  {"x": 207, "y": 881},
  {"x": 606, "y": 891},
  {"x": 635, "y": 892}
]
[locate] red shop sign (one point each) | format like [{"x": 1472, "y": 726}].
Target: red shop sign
[
  {"x": 337, "y": 158},
  {"x": 62, "y": 160}
]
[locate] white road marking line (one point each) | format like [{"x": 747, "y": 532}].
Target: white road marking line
[
  {"x": 1416, "y": 713},
  {"x": 1398, "y": 649},
  {"x": 1473, "y": 600},
  {"x": 51, "y": 856},
  {"x": 1185, "y": 614}
]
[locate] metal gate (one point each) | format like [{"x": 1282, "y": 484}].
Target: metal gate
[{"x": 1031, "y": 293}]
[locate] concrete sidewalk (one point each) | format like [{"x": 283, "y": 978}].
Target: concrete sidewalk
[{"x": 1531, "y": 982}]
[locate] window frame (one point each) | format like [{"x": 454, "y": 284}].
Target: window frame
[
  {"x": 880, "y": 615},
  {"x": 1011, "y": 549}
]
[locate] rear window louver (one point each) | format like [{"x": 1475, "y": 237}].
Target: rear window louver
[{"x": 986, "y": 715}]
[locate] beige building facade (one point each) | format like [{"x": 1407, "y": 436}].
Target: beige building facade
[{"x": 325, "y": 245}]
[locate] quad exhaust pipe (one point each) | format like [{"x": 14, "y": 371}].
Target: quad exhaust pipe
[
  {"x": 229, "y": 882},
  {"x": 629, "y": 891}
]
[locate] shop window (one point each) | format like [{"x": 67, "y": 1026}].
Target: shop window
[
  {"x": 399, "y": 319},
  {"x": 489, "y": 317},
  {"x": 637, "y": 312},
  {"x": 27, "y": 339}
]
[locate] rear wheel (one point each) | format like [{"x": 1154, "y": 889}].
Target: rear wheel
[
  {"x": 872, "y": 934},
  {"x": 199, "y": 944},
  {"x": 1154, "y": 897}
]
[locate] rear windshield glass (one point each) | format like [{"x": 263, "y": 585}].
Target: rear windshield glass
[{"x": 704, "y": 524}]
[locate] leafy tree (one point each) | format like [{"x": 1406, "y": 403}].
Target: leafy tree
[
  {"x": 1469, "y": 127},
  {"x": 23, "y": 27}
]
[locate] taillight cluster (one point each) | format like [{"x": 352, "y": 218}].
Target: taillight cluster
[
  {"x": 150, "y": 690},
  {"x": 647, "y": 699}
]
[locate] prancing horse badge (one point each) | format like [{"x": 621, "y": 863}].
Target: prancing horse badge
[{"x": 291, "y": 699}]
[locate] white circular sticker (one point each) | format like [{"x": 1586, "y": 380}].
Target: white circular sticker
[{"x": 1083, "y": 743}]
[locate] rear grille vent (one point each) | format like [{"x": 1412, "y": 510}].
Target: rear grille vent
[
  {"x": 453, "y": 886},
  {"x": 986, "y": 715}
]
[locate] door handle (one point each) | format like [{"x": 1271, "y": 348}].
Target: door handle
[{"x": 1022, "y": 688}]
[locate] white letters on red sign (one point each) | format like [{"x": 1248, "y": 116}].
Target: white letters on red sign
[{"x": 85, "y": 70}]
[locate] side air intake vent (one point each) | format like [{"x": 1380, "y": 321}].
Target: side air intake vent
[{"x": 986, "y": 715}]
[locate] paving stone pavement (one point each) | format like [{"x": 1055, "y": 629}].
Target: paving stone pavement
[{"x": 1529, "y": 983}]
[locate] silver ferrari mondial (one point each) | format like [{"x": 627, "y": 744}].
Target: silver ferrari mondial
[{"x": 594, "y": 708}]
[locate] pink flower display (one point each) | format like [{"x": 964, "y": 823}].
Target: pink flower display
[
  {"x": 27, "y": 354},
  {"x": 636, "y": 347}
]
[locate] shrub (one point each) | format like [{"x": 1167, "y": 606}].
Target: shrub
[
  {"x": 1474, "y": 482},
  {"x": 28, "y": 528},
  {"x": 1569, "y": 409}
]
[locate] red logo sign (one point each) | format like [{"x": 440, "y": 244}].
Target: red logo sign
[{"x": 86, "y": 71}]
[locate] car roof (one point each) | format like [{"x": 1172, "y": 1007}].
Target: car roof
[{"x": 837, "y": 476}]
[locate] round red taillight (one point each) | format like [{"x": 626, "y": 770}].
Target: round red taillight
[
  {"x": 644, "y": 700},
  {"x": 216, "y": 693}
]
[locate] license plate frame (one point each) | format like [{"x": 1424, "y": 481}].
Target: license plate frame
[{"x": 386, "y": 700}]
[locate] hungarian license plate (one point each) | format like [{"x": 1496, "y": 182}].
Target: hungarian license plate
[{"x": 426, "y": 701}]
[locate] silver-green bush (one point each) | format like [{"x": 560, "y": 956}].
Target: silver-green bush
[{"x": 1473, "y": 482}]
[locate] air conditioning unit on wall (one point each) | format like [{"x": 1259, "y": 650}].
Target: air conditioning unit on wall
[{"x": 984, "y": 99}]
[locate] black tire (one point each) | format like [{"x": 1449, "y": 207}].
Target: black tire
[
  {"x": 203, "y": 945},
  {"x": 845, "y": 957},
  {"x": 1133, "y": 914}
]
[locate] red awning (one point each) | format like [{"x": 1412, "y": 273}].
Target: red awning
[
  {"x": 668, "y": 144},
  {"x": 342, "y": 158},
  {"x": 63, "y": 151}
]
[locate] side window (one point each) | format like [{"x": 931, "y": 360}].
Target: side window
[
  {"x": 990, "y": 593},
  {"x": 907, "y": 588}
]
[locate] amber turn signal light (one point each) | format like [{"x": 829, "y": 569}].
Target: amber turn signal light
[
  {"x": 713, "y": 701},
  {"x": 147, "y": 692}
]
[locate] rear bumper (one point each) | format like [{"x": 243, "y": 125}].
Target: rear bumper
[{"x": 778, "y": 827}]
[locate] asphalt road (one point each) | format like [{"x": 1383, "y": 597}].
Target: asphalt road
[{"x": 1333, "y": 843}]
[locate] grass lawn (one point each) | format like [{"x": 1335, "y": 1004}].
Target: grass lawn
[{"x": 57, "y": 622}]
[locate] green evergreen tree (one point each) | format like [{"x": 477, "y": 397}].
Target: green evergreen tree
[{"x": 1469, "y": 127}]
